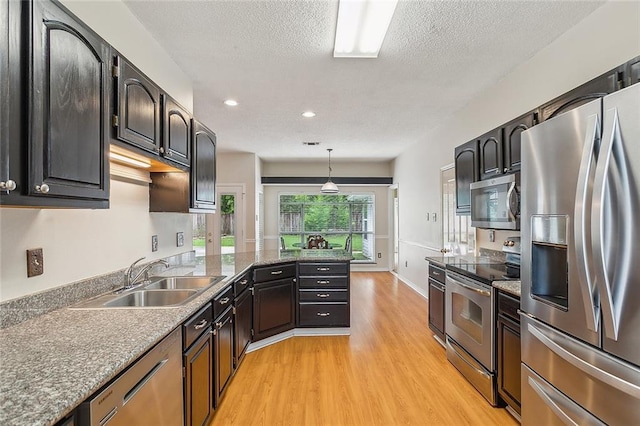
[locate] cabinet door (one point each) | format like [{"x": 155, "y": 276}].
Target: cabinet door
[
  {"x": 8, "y": 26},
  {"x": 513, "y": 138},
  {"x": 176, "y": 132},
  {"x": 203, "y": 168},
  {"x": 509, "y": 362},
  {"x": 69, "y": 107},
  {"x": 600, "y": 86},
  {"x": 198, "y": 382},
  {"x": 491, "y": 154},
  {"x": 138, "y": 100},
  {"x": 273, "y": 308},
  {"x": 466, "y": 165},
  {"x": 223, "y": 353},
  {"x": 632, "y": 72},
  {"x": 243, "y": 320}
]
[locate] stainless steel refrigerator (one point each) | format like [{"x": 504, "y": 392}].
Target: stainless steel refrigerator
[{"x": 580, "y": 267}]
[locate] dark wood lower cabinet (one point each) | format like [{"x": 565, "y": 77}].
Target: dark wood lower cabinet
[
  {"x": 198, "y": 392},
  {"x": 273, "y": 308},
  {"x": 243, "y": 321},
  {"x": 509, "y": 350},
  {"x": 223, "y": 353}
]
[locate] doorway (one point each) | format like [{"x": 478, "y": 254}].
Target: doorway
[
  {"x": 458, "y": 236},
  {"x": 227, "y": 224},
  {"x": 396, "y": 227}
]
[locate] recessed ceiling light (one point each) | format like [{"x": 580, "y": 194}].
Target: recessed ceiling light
[
  {"x": 308, "y": 114},
  {"x": 231, "y": 102}
]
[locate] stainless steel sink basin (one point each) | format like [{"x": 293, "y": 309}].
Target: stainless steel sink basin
[
  {"x": 151, "y": 298},
  {"x": 182, "y": 283}
]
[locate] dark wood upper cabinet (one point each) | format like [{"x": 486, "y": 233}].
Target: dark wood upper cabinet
[
  {"x": 68, "y": 106},
  {"x": 467, "y": 172},
  {"x": 203, "y": 168},
  {"x": 5, "y": 171},
  {"x": 512, "y": 134},
  {"x": 176, "y": 132},
  {"x": 600, "y": 86},
  {"x": 491, "y": 154},
  {"x": 138, "y": 107}
]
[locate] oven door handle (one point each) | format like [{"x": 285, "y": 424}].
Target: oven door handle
[{"x": 481, "y": 291}]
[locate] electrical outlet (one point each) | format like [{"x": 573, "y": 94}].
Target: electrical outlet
[
  {"x": 427, "y": 217},
  {"x": 154, "y": 243},
  {"x": 434, "y": 216},
  {"x": 406, "y": 263},
  {"x": 35, "y": 262},
  {"x": 179, "y": 239},
  {"x": 379, "y": 255},
  {"x": 492, "y": 235}
]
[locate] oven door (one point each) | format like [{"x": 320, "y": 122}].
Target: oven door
[{"x": 470, "y": 317}]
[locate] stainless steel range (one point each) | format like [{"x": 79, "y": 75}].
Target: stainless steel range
[{"x": 470, "y": 319}]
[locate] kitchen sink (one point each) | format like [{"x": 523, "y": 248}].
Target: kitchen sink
[
  {"x": 161, "y": 292},
  {"x": 182, "y": 283}
]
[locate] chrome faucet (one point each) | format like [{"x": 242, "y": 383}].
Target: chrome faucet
[{"x": 130, "y": 282}]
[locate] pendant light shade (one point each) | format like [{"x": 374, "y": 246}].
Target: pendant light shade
[{"x": 329, "y": 187}]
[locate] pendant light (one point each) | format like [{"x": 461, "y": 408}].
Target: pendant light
[{"x": 329, "y": 187}]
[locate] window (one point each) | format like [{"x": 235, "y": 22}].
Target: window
[{"x": 344, "y": 221}]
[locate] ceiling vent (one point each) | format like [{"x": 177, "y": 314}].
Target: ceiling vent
[{"x": 311, "y": 143}]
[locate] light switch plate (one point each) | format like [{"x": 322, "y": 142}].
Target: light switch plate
[
  {"x": 35, "y": 262},
  {"x": 154, "y": 243},
  {"x": 180, "y": 239}
]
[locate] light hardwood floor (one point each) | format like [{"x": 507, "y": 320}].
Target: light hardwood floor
[{"x": 390, "y": 371}]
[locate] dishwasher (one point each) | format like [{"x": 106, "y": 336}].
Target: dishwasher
[{"x": 149, "y": 392}]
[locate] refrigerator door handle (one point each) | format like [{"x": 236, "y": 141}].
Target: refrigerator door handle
[
  {"x": 611, "y": 310},
  {"x": 570, "y": 355},
  {"x": 562, "y": 406},
  {"x": 584, "y": 259}
]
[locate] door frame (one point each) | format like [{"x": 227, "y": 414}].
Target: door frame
[
  {"x": 213, "y": 221},
  {"x": 394, "y": 197}
]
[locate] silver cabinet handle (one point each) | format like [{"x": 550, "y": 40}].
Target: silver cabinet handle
[
  {"x": 161, "y": 150},
  {"x": 244, "y": 282},
  {"x": 437, "y": 274},
  {"x": 201, "y": 324},
  {"x": 219, "y": 324},
  {"x": 43, "y": 189},
  {"x": 322, "y": 295},
  {"x": 323, "y": 269},
  {"x": 323, "y": 282},
  {"x": 224, "y": 300},
  {"x": 8, "y": 185},
  {"x": 276, "y": 272},
  {"x": 323, "y": 314}
]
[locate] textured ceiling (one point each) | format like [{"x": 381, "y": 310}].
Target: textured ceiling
[{"x": 275, "y": 58}]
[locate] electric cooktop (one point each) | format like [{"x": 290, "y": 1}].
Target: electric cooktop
[{"x": 486, "y": 272}]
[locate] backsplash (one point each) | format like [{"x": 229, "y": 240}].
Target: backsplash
[{"x": 18, "y": 310}]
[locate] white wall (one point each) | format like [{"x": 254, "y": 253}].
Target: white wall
[
  {"x": 607, "y": 38},
  {"x": 321, "y": 168},
  {"x": 115, "y": 23},
  {"x": 80, "y": 244}
]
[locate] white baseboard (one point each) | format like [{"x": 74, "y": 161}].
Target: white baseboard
[
  {"x": 422, "y": 292},
  {"x": 299, "y": 332}
]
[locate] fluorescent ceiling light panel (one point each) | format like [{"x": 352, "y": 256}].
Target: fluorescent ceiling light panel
[{"x": 362, "y": 26}]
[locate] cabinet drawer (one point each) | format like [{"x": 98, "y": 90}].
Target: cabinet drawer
[
  {"x": 323, "y": 296},
  {"x": 324, "y": 314},
  {"x": 222, "y": 301},
  {"x": 276, "y": 272},
  {"x": 241, "y": 284},
  {"x": 338, "y": 268},
  {"x": 323, "y": 282},
  {"x": 196, "y": 325},
  {"x": 436, "y": 273},
  {"x": 508, "y": 306}
]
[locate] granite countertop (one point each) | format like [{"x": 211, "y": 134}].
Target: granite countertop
[
  {"x": 443, "y": 261},
  {"x": 52, "y": 363},
  {"x": 511, "y": 287}
]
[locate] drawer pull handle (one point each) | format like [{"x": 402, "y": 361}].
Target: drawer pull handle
[
  {"x": 323, "y": 295},
  {"x": 224, "y": 301},
  {"x": 323, "y": 269},
  {"x": 201, "y": 324},
  {"x": 276, "y": 272},
  {"x": 244, "y": 282},
  {"x": 323, "y": 314},
  {"x": 323, "y": 282}
]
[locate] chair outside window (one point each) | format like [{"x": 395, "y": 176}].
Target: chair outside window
[
  {"x": 316, "y": 242},
  {"x": 347, "y": 244},
  {"x": 282, "y": 244}
]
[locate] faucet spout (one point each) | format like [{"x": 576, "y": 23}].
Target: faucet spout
[{"x": 130, "y": 282}]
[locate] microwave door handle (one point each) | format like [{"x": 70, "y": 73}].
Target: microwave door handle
[
  {"x": 510, "y": 194},
  {"x": 584, "y": 260},
  {"x": 611, "y": 310}
]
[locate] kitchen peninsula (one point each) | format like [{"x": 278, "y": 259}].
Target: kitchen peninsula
[{"x": 76, "y": 352}]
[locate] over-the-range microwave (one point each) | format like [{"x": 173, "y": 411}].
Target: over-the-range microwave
[{"x": 495, "y": 203}]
